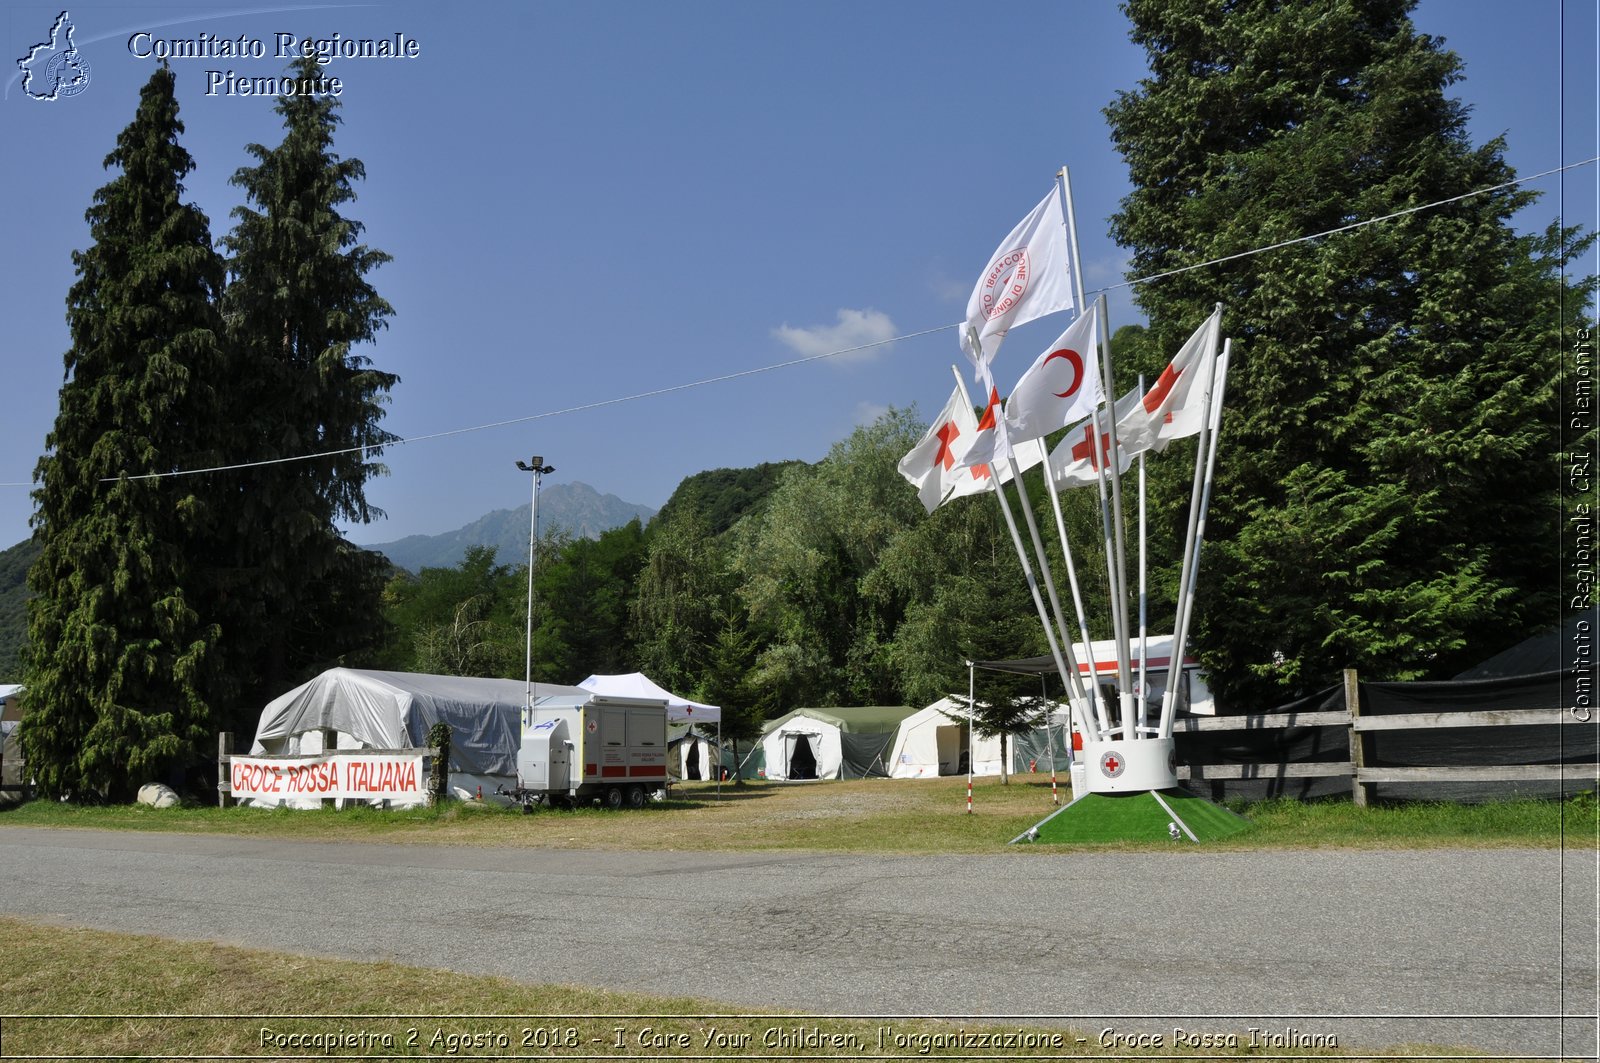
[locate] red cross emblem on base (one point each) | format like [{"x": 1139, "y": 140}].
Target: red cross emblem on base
[{"x": 1111, "y": 764}]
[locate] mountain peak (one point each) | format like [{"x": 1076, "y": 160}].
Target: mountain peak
[{"x": 574, "y": 507}]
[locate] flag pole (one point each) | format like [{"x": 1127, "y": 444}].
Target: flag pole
[
  {"x": 1016, "y": 541},
  {"x": 1072, "y": 571},
  {"x": 1144, "y": 597},
  {"x": 1120, "y": 606},
  {"x": 1098, "y": 447},
  {"x": 1200, "y": 498},
  {"x": 1070, "y": 219},
  {"x": 1076, "y": 679},
  {"x": 972, "y": 745}
]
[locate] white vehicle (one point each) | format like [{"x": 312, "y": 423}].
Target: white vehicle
[{"x": 582, "y": 748}]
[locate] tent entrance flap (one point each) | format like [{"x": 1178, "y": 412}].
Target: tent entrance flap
[
  {"x": 951, "y": 743},
  {"x": 802, "y": 759}
]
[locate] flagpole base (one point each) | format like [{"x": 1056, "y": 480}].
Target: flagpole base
[{"x": 1130, "y": 766}]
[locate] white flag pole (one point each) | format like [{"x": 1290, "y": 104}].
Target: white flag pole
[
  {"x": 1098, "y": 447},
  {"x": 972, "y": 712},
  {"x": 1118, "y": 558},
  {"x": 1200, "y": 498},
  {"x": 1144, "y": 598},
  {"x": 1022, "y": 555},
  {"x": 1072, "y": 573},
  {"x": 1069, "y": 216},
  {"x": 1075, "y": 681}
]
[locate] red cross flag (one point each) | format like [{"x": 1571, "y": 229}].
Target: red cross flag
[
  {"x": 991, "y": 452},
  {"x": 931, "y": 466},
  {"x": 1171, "y": 409},
  {"x": 1077, "y": 458},
  {"x": 1062, "y": 385},
  {"x": 1028, "y": 276}
]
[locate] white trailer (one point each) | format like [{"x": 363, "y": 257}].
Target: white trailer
[{"x": 582, "y": 748}]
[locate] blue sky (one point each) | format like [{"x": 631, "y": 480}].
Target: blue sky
[{"x": 587, "y": 201}]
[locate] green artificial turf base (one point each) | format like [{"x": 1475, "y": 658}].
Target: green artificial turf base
[{"x": 1137, "y": 817}]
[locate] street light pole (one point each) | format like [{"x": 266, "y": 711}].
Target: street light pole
[{"x": 536, "y": 466}]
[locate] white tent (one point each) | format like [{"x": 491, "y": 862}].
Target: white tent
[
  {"x": 639, "y": 685},
  {"x": 693, "y": 755},
  {"x": 348, "y": 708},
  {"x": 936, "y": 741},
  {"x": 834, "y": 743}
]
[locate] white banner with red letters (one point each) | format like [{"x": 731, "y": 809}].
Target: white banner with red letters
[{"x": 351, "y": 775}]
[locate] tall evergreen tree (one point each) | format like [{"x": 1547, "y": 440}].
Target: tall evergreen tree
[
  {"x": 121, "y": 658},
  {"x": 297, "y": 308},
  {"x": 1388, "y": 494}
]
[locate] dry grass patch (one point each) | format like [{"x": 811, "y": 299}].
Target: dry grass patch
[{"x": 92, "y": 994}]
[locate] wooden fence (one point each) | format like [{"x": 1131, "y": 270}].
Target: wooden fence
[
  {"x": 19, "y": 785},
  {"x": 1358, "y": 727}
]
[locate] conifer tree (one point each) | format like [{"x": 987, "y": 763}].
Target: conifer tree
[
  {"x": 122, "y": 656},
  {"x": 1388, "y": 495},
  {"x": 298, "y": 306}
]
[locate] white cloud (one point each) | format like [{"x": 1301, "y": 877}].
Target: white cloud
[
  {"x": 855, "y": 328},
  {"x": 868, "y": 412}
]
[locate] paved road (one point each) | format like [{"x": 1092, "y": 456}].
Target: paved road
[{"x": 1358, "y": 945}]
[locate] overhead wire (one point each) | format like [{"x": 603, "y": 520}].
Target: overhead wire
[{"x": 806, "y": 360}]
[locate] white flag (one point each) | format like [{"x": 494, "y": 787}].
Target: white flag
[
  {"x": 1076, "y": 460},
  {"x": 931, "y": 465},
  {"x": 1171, "y": 409},
  {"x": 991, "y": 458},
  {"x": 1062, "y": 385},
  {"x": 976, "y": 478},
  {"x": 1028, "y": 276}
]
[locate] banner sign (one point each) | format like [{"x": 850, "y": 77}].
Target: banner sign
[{"x": 361, "y": 776}]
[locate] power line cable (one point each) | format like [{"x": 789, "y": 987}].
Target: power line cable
[{"x": 725, "y": 377}]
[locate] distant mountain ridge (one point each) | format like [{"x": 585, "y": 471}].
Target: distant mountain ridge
[{"x": 574, "y": 507}]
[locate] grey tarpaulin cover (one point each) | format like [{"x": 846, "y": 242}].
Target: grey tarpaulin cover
[{"x": 395, "y": 710}]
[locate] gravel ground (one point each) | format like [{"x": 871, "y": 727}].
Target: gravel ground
[{"x": 1487, "y": 948}]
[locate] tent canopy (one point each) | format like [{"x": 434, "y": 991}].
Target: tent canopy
[
  {"x": 853, "y": 719},
  {"x": 395, "y": 710},
  {"x": 833, "y": 743},
  {"x": 639, "y": 685}
]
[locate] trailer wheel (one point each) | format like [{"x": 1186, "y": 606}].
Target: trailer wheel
[
  {"x": 613, "y": 797},
  {"x": 635, "y": 796}
]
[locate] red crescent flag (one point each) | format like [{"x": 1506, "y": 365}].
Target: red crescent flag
[{"x": 1061, "y": 386}]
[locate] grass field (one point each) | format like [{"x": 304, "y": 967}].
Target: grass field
[{"x": 870, "y": 815}]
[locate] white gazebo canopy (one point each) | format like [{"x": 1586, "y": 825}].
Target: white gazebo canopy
[{"x": 639, "y": 685}]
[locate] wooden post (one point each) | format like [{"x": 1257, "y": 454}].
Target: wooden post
[
  {"x": 224, "y": 778},
  {"x": 1358, "y": 753}
]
